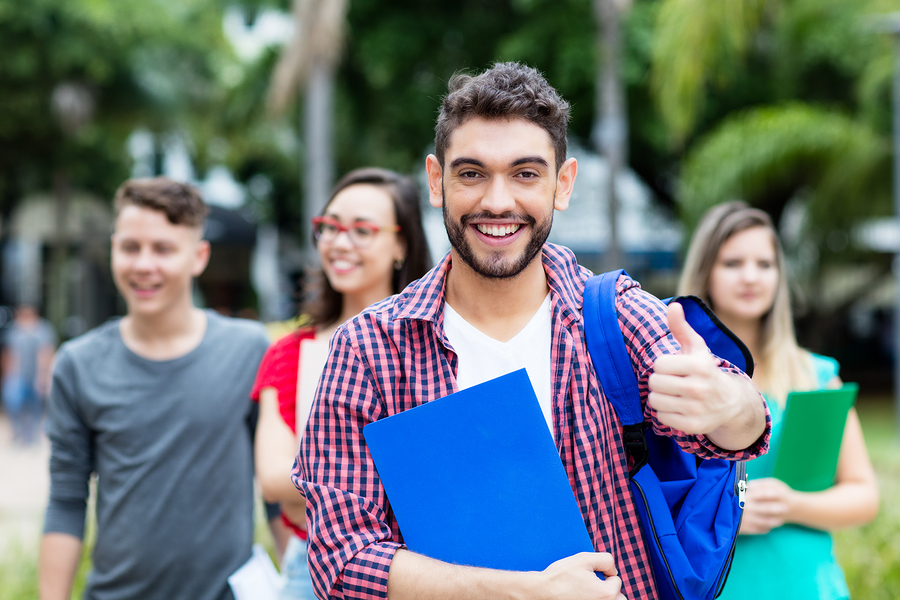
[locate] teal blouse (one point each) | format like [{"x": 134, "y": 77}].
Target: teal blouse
[{"x": 790, "y": 561}]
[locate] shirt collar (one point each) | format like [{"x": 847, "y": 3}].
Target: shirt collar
[{"x": 424, "y": 299}]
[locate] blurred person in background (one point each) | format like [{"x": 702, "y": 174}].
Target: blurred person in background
[
  {"x": 735, "y": 263},
  {"x": 157, "y": 405},
  {"x": 26, "y": 360},
  {"x": 371, "y": 244}
]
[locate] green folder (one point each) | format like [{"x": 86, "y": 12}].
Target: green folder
[{"x": 807, "y": 454}]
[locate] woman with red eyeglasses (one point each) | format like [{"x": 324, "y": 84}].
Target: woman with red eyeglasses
[{"x": 371, "y": 244}]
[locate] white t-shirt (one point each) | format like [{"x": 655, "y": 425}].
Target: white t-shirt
[{"x": 482, "y": 358}]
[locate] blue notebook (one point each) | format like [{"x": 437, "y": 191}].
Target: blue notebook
[{"x": 474, "y": 478}]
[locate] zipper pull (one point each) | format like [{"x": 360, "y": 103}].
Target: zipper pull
[{"x": 742, "y": 492}]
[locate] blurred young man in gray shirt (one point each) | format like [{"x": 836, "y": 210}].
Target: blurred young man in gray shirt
[{"x": 156, "y": 404}]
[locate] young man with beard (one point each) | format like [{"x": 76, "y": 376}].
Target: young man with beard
[
  {"x": 157, "y": 405},
  {"x": 504, "y": 299}
]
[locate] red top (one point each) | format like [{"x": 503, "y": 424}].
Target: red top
[{"x": 278, "y": 370}]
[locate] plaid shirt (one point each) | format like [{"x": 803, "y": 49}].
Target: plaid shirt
[{"x": 394, "y": 356}]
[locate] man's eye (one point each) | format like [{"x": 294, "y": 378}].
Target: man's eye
[{"x": 468, "y": 175}]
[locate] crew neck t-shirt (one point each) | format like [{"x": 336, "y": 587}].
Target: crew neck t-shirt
[
  {"x": 171, "y": 444},
  {"x": 482, "y": 358}
]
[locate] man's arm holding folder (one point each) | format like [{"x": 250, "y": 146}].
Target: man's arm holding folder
[
  {"x": 417, "y": 577},
  {"x": 351, "y": 540}
]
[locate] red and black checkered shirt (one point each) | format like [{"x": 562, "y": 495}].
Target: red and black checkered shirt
[{"x": 394, "y": 356}]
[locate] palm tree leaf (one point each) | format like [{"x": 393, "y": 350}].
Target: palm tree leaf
[
  {"x": 826, "y": 154},
  {"x": 697, "y": 41}
]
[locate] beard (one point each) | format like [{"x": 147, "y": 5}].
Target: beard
[{"x": 496, "y": 265}]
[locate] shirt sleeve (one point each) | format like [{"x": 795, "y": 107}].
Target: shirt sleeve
[
  {"x": 351, "y": 545},
  {"x": 71, "y": 456},
  {"x": 642, "y": 318}
]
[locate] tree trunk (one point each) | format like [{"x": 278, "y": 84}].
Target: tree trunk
[
  {"x": 57, "y": 302},
  {"x": 610, "y": 133},
  {"x": 318, "y": 127}
]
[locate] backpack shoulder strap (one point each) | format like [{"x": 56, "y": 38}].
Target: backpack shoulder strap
[
  {"x": 610, "y": 356},
  {"x": 721, "y": 341},
  {"x": 607, "y": 347}
]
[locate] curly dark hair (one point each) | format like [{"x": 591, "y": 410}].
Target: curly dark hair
[
  {"x": 506, "y": 90},
  {"x": 322, "y": 303}
]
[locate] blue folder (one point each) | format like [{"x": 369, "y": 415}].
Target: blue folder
[{"x": 474, "y": 478}]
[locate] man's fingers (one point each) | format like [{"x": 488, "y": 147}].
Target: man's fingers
[
  {"x": 678, "y": 364},
  {"x": 691, "y": 342},
  {"x": 600, "y": 562}
]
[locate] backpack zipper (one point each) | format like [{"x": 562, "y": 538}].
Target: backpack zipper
[
  {"x": 656, "y": 541},
  {"x": 740, "y": 484}
]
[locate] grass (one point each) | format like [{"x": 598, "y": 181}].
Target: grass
[
  {"x": 870, "y": 555},
  {"x": 18, "y": 574}
]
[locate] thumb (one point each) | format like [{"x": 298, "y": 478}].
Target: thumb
[
  {"x": 691, "y": 342},
  {"x": 601, "y": 562}
]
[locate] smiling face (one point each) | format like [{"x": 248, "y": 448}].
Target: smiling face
[
  {"x": 498, "y": 188},
  {"x": 154, "y": 262},
  {"x": 744, "y": 278},
  {"x": 363, "y": 272}
]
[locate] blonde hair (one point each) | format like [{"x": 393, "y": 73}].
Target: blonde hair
[{"x": 782, "y": 366}]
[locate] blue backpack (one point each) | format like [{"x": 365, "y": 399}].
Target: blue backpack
[{"x": 690, "y": 509}]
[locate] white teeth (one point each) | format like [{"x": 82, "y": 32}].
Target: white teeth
[{"x": 497, "y": 230}]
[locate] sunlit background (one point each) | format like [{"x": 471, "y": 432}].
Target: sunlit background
[{"x": 263, "y": 104}]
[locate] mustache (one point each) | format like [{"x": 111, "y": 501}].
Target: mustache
[{"x": 484, "y": 215}]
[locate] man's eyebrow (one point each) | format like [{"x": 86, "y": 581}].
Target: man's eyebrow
[
  {"x": 458, "y": 162},
  {"x": 528, "y": 160}
]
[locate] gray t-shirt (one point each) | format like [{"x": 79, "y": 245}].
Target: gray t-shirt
[
  {"x": 171, "y": 444},
  {"x": 24, "y": 343}
]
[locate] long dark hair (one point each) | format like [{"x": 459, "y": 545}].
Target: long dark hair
[{"x": 322, "y": 304}]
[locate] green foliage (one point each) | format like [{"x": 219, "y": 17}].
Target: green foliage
[
  {"x": 756, "y": 154},
  {"x": 870, "y": 555},
  {"x": 698, "y": 42},
  {"x": 153, "y": 64},
  {"x": 398, "y": 58}
]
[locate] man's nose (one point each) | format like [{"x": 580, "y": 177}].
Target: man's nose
[
  {"x": 144, "y": 260},
  {"x": 498, "y": 197}
]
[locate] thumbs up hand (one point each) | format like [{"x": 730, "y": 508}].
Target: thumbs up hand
[{"x": 688, "y": 390}]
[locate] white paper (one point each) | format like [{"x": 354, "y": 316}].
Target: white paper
[
  {"x": 313, "y": 354},
  {"x": 257, "y": 579}
]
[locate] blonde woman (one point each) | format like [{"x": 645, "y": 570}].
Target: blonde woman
[{"x": 735, "y": 263}]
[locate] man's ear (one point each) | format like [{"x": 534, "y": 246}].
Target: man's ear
[
  {"x": 435, "y": 181},
  {"x": 201, "y": 257},
  {"x": 565, "y": 184}
]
